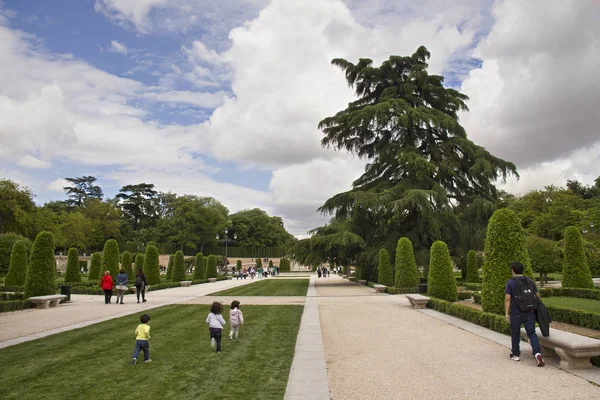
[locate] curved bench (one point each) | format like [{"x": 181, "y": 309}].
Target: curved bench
[
  {"x": 417, "y": 301},
  {"x": 43, "y": 302},
  {"x": 212, "y": 280},
  {"x": 379, "y": 288},
  {"x": 573, "y": 350},
  {"x": 185, "y": 283}
]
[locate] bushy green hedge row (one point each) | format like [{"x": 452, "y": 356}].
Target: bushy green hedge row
[
  {"x": 441, "y": 281},
  {"x": 465, "y": 295},
  {"x": 474, "y": 286},
  {"x": 12, "y": 288},
  {"x": 491, "y": 321},
  {"x": 477, "y": 298},
  {"x": 575, "y": 317},
  {"x": 395, "y": 290},
  {"x": 11, "y": 296},
  {"x": 593, "y": 294},
  {"x": 14, "y": 305}
]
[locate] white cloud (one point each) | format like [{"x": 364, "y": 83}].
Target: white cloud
[
  {"x": 202, "y": 54},
  {"x": 135, "y": 12},
  {"x": 33, "y": 163},
  {"x": 58, "y": 185},
  {"x": 117, "y": 47}
]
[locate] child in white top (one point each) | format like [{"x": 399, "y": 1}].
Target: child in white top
[
  {"x": 215, "y": 323},
  {"x": 236, "y": 318}
]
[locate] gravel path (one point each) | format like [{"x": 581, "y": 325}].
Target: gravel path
[{"x": 378, "y": 349}]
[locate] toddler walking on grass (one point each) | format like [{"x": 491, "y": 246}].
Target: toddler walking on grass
[
  {"x": 142, "y": 339},
  {"x": 236, "y": 318},
  {"x": 215, "y": 323}
]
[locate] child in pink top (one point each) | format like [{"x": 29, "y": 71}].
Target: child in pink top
[{"x": 236, "y": 318}]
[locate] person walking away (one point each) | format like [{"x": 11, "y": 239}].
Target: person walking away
[
  {"x": 236, "y": 318},
  {"x": 140, "y": 285},
  {"x": 142, "y": 339},
  {"x": 520, "y": 302},
  {"x": 107, "y": 285},
  {"x": 122, "y": 280},
  {"x": 215, "y": 323},
  {"x": 319, "y": 271}
]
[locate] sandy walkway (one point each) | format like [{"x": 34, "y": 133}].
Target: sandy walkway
[{"x": 377, "y": 349}]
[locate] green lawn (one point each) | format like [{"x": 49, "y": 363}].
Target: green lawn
[
  {"x": 94, "y": 362},
  {"x": 269, "y": 287},
  {"x": 574, "y": 303}
]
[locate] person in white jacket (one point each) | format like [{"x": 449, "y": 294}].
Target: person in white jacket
[
  {"x": 236, "y": 318},
  {"x": 215, "y": 323}
]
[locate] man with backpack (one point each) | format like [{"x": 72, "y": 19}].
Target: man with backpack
[{"x": 520, "y": 302}]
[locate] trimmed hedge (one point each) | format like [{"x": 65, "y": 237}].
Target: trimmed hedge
[
  {"x": 211, "y": 266},
  {"x": 139, "y": 263},
  {"x": 465, "y": 295},
  {"x": 472, "y": 267},
  {"x": 441, "y": 280},
  {"x": 151, "y": 266},
  {"x": 397, "y": 290},
  {"x": 575, "y": 317},
  {"x": 178, "y": 267},
  {"x": 110, "y": 258},
  {"x": 72, "y": 275},
  {"x": 42, "y": 267},
  {"x": 17, "y": 271},
  {"x": 487, "y": 320},
  {"x": 576, "y": 271},
  {"x": 238, "y": 265},
  {"x": 593, "y": 294},
  {"x": 14, "y": 305},
  {"x": 9, "y": 288},
  {"x": 170, "y": 267},
  {"x": 126, "y": 264},
  {"x": 504, "y": 244},
  {"x": 270, "y": 263},
  {"x": 258, "y": 263},
  {"x": 199, "y": 268},
  {"x": 384, "y": 269},
  {"x": 477, "y": 298},
  {"x": 11, "y": 296},
  {"x": 95, "y": 267},
  {"x": 7, "y": 241},
  {"x": 407, "y": 275},
  {"x": 474, "y": 286}
]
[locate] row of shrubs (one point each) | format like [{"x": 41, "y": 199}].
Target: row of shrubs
[
  {"x": 491, "y": 321},
  {"x": 593, "y": 294},
  {"x": 14, "y": 305},
  {"x": 11, "y": 296}
]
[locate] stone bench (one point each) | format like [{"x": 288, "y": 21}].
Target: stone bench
[
  {"x": 52, "y": 300},
  {"x": 379, "y": 288},
  {"x": 185, "y": 283},
  {"x": 362, "y": 282},
  {"x": 212, "y": 280},
  {"x": 417, "y": 301},
  {"x": 573, "y": 350}
]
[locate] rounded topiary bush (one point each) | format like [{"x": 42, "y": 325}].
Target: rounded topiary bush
[
  {"x": 17, "y": 270},
  {"x": 576, "y": 271},
  {"x": 384, "y": 273},
  {"x": 211, "y": 267},
  {"x": 151, "y": 266},
  {"x": 72, "y": 275},
  {"x": 110, "y": 258},
  {"x": 504, "y": 244},
  {"x": 441, "y": 280},
  {"x": 170, "y": 267},
  {"x": 178, "y": 267},
  {"x": 7, "y": 241},
  {"x": 95, "y": 267},
  {"x": 472, "y": 267},
  {"x": 139, "y": 263},
  {"x": 407, "y": 275},
  {"x": 42, "y": 267},
  {"x": 126, "y": 264},
  {"x": 238, "y": 265},
  {"x": 258, "y": 262},
  {"x": 199, "y": 267}
]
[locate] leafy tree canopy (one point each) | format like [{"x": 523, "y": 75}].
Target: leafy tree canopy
[{"x": 81, "y": 189}]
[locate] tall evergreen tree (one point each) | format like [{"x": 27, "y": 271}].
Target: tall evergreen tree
[
  {"x": 576, "y": 271},
  {"x": 17, "y": 271},
  {"x": 238, "y": 265},
  {"x": 178, "y": 267},
  {"x": 72, "y": 275},
  {"x": 140, "y": 258},
  {"x": 110, "y": 258},
  {"x": 42, "y": 267},
  {"x": 126, "y": 264},
  {"x": 407, "y": 275},
  {"x": 95, "y": 267},
  {"x": 82, "y": 188},
  {"x": 211, "y": 267},
  {"x": 384, "y": 273},
  {"x": 170, "y": 267},
  {"x": 151, "y": 265},
  {"x": 199, "y": 267},
  {"x": 472, "y": 267},
  {"x": 441, "y": 281}
]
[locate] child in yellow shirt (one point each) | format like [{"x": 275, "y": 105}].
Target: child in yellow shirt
[{"x": 142, "y": 339}]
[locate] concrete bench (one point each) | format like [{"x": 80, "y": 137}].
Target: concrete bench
[
  {"x": 379, "y": 288},
  {"x": 417, "y": 301},
  {"x": 52, "y": 300},
  {"x": 212, "y": 280},
  {"x": 362, "y": 282},
  {"x": 185, "y": 283},
  {"x": 573, "y": 350},
  {"x": 344, "y": 276}
]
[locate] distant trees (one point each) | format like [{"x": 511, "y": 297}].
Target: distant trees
[{"x": 81, "y": 189}]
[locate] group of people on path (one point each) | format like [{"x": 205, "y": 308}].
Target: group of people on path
[
  {"x": 122, "y": 280},
  {"x": 256, "y": 272}
]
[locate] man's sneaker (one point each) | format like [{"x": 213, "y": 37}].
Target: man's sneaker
[
  {"x": 133, "y": 361},
  {"x": 514, "y": 358},
  {"x": 213, "y": 342},
  {"x": 540, "y": 360},
  {"x": 148, "y": 360}
]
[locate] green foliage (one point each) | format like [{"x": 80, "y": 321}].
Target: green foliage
[
  {"x": 593, "y": 294},
  {"x": 270, "y": 263},
  {"x": 17, "y": 272},
  {"x": 178, "y": 267},
  {"x": 238, "y": 265},
  {"x": 576, "y": 271},
  {"x": 16, "y": 204},
  {"x": 504, "y": 244},
  {"x": 95, "y": 267},
  {"x": 211, "y": 267},
  {"x": 200, "y": 267},
  {"x": 574, "y": 317},
  {"x": 442, "y": 283},
  {"x": 384, "y": 275},
  {"x": 7, "y": 241},
  {"x": 487, "y": 320},
  {"x": 170, "y": 267},
  {"x": 42, "y": 267},
  {"x": 110, "y": 258},
  {"x": 126, "y": 264},
  {"x": 72, "y": 275},
  {"x": 407, "y": 275},
  {"x": 284, "y": 265},
  {"x": 545, "y": 255},
  {"x": 472, "y": 267},
  {"x": 139, "y": 263},
  {"x": 255, "y": 228},
  {"x": 401, "y": 290},
  {"x": 151, "y": 266}
]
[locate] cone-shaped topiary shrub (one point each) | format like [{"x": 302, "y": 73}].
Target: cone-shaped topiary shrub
[
  {"x": 270, "y": 263},
  {"x": 7, "y": 241},
  {"x": 238, "y": 265},
  {"x": 384, "y": 267},
  {"x": 504, "y": 244},
  {"x": 199, "y": 267},
  {"x": 95, "y": 267},
  {"x": 42, "y": 267},
  {"x": 170, "y": 267},
  {"x": 258, "y": 262},
  {"x": 407, "y": 275},
  {"x": 441, "y": 280},
  {"x": 140, "y": 258},
  {"x": 576, "y": 271},
  {"x": 72, "y": 275},
  {"x": 211, "y": 267},
  {"x": 151, "y": 266},
  {"x": 17, "y": 271},
  {"x": 126, "y": 264},
  {"x": 178, "y": 267},
  {"x": 110, "y": 258},
  {"x": 472, "y": 267}
]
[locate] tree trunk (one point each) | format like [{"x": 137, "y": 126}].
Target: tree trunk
[{"x": 541, "y": 279}]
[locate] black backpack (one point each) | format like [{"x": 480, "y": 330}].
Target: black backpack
[
  {"x": 139, "y": 281},
  {"x": 525, "y": 298}
]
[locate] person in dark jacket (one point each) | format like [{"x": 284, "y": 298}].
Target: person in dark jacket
[
  {"x": 140, "y": 285},
  {"x": 542, "y": 316}
]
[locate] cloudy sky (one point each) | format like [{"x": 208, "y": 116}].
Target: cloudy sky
[{"x": 222, "y": 97}]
